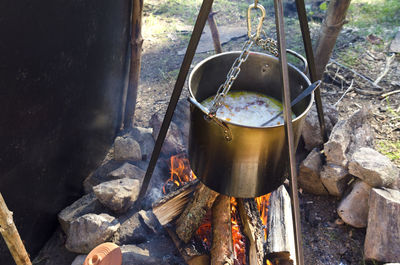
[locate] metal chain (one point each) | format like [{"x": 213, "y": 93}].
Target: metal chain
[
  {"x": 267, "y": 44},
  {"x": 230, "y": 77}
]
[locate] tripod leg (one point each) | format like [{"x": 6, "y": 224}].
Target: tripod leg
[
  {"x": 305, "y": 31},
  {"x": 289, "y": 129},
  {"x": 180, "y": 81}
]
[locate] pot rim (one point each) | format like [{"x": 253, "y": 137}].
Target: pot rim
[{"x": 305, "y": 112}]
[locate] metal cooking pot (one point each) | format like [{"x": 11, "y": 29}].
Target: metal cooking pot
[{"x": 232, "y": 159}]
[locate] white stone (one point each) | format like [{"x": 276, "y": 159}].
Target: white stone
[
  {"x": 309, "y": 174},
  {"x": 118, "y": 195},
  {"x": 126, "y": 148},
  {"x": 374, "y": 168},
  {"x": 335, "y": 179},
  {"x": 353, "y": 209},
  {"x": 90, "y": 230}
]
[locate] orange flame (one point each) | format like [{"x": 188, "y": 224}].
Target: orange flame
[
  {"x": 204, "y": 231},
  {"x": 238, "y": 239},
  {"x": 180, "y": 171},
  {"x": 262, "y": 205}
]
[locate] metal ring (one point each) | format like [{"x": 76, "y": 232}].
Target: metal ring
[{"x": 260, "y": 22}]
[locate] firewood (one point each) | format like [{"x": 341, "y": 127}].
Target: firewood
[
  {"x": 253, "y": 229},
  {"x": 11, "y": 235},
  {"x": 382, "y": 241},
  {"x": 222, "y": 249},
  {"x": 280, "y": 245},
  {"x": 195, "y": 212},
  {"x": 189, "y": 259},
  {"x": 172, "y": 205}
]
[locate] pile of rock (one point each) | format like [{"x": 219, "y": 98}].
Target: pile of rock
[
  {"x": 367, "y": 182},
  {"x": 110, "y": 212}
]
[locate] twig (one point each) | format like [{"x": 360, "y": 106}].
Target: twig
[
  {"x": 389, "y": 93},
  {"x": 389, "y": 60},
  {"x": 367, "y": 92},
  {"x": 11, "y": 236},
  {"x": 345, "y": 92},
  {"x": 369, "y": 80}
]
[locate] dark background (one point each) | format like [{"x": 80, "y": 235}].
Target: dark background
[{"x": 63, "y": 68}]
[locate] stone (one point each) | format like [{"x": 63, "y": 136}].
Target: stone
[
  {"x": 343, "y": 134},
  {"x": 311, "y": 132},
  {"x": 100, "y": 175},
  {"x": 126, "y": 148},
  {"x": 79, "y": 260},
  {"x": 90, "y": 230},
  {"x": 353, "y": 209},
  {"x": 118, "y": 195},
  {"x": 395, "y": 45},
  {"x": 382, "y": 241},
  {"x": 144, "y": 136},
  {"x": 335, "y": 179},
  {"x": 127, "y": 170},
  {"x": 131, "y": 231},
  {"x": 173, "y": 143},
  {"x": 374, "y": 168},
  {"x": 87, "y": 204},
  {"x": 309, "y": 174},
  {"x": 132, "y": 254},
  {"x": 150, "y": 220}
]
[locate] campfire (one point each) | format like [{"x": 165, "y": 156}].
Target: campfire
[{"x": 260, "y": 230}]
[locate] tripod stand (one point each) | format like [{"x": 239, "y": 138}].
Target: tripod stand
[{"x": 197, "y": 31}]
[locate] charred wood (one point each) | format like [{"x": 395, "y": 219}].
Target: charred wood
[
  {"x": 195, "y": 212},
  {"x": 222, "y": 249},
  {"x": 253, "y": 229}
]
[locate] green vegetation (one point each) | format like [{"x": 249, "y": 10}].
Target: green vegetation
[
  {"x": 379, "y": 17},
  {"x": 391, "y": 149}
]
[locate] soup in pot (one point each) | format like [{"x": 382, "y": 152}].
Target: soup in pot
[{"x": 248, "y": 108}]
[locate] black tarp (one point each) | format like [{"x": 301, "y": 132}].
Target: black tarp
[{"x": 63, "y": 67}]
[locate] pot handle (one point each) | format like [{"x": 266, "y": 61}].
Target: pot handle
[
  {"x": 208, "y": 116},
  {"x": 304, "y": 60}
]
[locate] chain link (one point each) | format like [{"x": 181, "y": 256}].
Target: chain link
[
  {"x": 230, "y": 77},
  {"x": 268, "y": 44}
]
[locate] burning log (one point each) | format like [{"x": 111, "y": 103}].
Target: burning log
[
  {"x": 195, "y": 212},
  {"x": 172, "y": 205},
  {"x": 222, "y": 249},
  {"x": 280, "y": 246},
  {"x": 190, "y": 260},
  {"x": 253, "y": 229}
]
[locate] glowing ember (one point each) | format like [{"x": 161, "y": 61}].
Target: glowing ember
[
  {"x": 204, "y": 232},
  {"x": 262, "y": 205},
  {"x": 238, "y": 239},
  {"x": 180, "y": 171}
]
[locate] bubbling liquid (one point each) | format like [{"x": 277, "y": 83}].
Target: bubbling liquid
[{"x": 248, "y": 108}]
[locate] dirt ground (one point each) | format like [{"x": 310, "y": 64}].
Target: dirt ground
[{"x": 326, "y": 240}]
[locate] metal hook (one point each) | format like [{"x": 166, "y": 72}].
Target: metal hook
[{"x": 260, "y": 22}]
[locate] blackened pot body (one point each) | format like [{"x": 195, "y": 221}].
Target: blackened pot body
[{"x": 255, "y": 161}]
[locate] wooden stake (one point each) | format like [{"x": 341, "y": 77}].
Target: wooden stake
[
  {"x": 11, "y": 235},
  {"x": 214, "y": 32},
  {"x": 330, "y": 29},
  {"x": 136, "y": 58}
]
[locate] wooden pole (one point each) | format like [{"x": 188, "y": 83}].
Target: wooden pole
[
  {"x": 11, "y": 235},
  {"x": 136, "y": 58},
  {"x": 214, "y": 32},
  {"x": 330, "y": 29}
]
